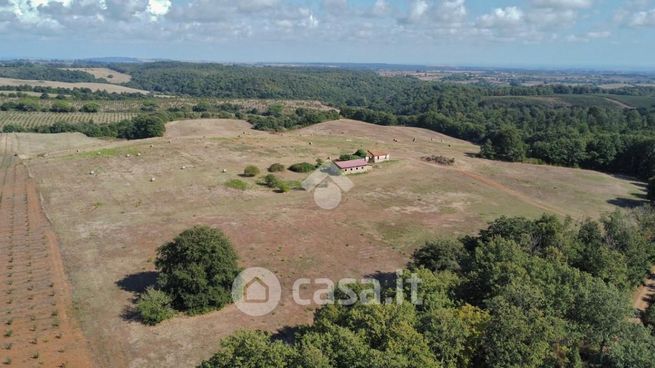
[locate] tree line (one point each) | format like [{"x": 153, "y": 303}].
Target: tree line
[
  {"x": 522, "y": 293},
  {"x": 602, "y": 136},
  {"x": 139, "y": 127}
]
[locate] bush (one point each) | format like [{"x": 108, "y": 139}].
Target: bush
[
  {"x": 236, "y": 184},
  {"x": 201, "y": 107},
  {"x": 149, "y": 106},
  {"x": 154, "y": 306},
  {"x": 61, "y": 106},
  {"x": 302, "y": 167},
  {"x": 271, "y": 181},
  {"x": 13, "y": 128},
  {"x": 250, "y": 171},
  {"x": 197, "y": 269},
  {"x": 276, "y": 167},
  {"x": 90, "y": 107},
  {"x": 283, "y": 186}
]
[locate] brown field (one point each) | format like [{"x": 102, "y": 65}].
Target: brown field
[
  {"x": 92, "y": 86},
  {"x": 110, "y": 223},
  {"x": 34, "y": 292},
  {"x": 111, "y": 76}
]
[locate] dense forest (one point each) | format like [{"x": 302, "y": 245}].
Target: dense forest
[
  {"x": 24, "y": 70},
  {"x": 590, "y": 133},
  {"x": 522, "y": 293}
]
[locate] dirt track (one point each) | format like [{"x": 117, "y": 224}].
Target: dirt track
[
  {"x": 645, "y": 295},
  {"x": 36, "y": 304}
]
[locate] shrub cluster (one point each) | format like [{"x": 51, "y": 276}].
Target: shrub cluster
[{"x": 302, "y": 167}]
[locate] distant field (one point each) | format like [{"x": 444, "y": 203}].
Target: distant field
[
  {"x": 605, "y": 100},
  {"x": 33, "y": 119},
  {"x": 634, "y": 101},
  {"x": 111, "y": 76},
  {"x": 546, "y": 101},
  {"x": 53, "y": 84}
]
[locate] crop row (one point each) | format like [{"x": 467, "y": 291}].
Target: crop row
[{"x": 33, "y": 119}]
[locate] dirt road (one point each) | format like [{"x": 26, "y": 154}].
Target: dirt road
[
  {"x": 645, "y": 295},
  {"x": 38, "y": 330}
]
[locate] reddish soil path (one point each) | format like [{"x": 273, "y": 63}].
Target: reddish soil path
[
  {"x": 35, "y": 301},
  {"x": 645, "y": 295}
]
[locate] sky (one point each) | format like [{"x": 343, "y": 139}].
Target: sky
[{"x": 528, "y": 33}]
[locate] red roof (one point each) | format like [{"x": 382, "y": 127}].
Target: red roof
[
  {"x": 351, "y": 163},
  {"x": 378, "y": 153}
]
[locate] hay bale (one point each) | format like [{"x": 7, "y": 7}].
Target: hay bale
[{"x": 152, "y": 179}]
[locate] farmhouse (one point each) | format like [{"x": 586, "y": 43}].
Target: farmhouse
[
  {"x": 353, "y": 166},
  {"x": 378, "y": 156}
]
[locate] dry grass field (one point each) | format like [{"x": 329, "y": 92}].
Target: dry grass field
[
  {"x": 111, "y": 76},
  {"x": 110, "y": 223},
  {"x": 92, "y": 86}
]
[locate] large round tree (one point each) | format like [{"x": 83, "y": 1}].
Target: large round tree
[{"x": 197, "y": 269}]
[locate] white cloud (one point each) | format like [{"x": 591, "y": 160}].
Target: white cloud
[
  {"x": 381, "y": 7},
  {"x": 502, "y": 18},
  {"x": 645, "y": 18},
  {"x": 256, "y": 5},
  {"x": 564, "y": 4},
  {"x": 417, "y": 9},
  {"x": 158, "y": 7},
  {"x": 451, "y": 11}
]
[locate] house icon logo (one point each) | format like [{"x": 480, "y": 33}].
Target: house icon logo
[
  {"x": 256, "y": 291},
  {"x": 328, "y": 183}
]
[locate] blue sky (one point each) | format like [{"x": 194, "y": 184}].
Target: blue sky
[{"x": 544, "y": 33}]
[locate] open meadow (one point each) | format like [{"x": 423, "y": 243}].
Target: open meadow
[{"x": 113, "y": 203}]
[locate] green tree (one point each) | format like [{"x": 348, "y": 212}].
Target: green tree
[
  {"x": 197, "y": 269},
  {"x": 634, "y": 347},
  {"x": 440, "y": 255},
  {"x": 251, "y": 349},
  {"x": 145, "y": 126},
  {"x": 508, "y": 144}
]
